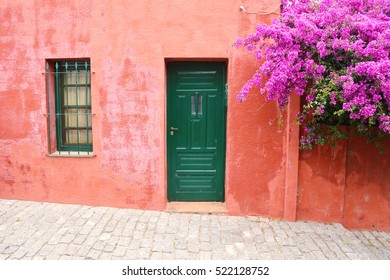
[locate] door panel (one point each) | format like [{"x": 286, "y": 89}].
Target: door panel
[{"x": 196, "y": 131}]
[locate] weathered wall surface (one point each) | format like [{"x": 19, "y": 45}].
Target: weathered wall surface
[
  {"x": 347, "y": 184},
  {"x": 128, "y": 44},
  {"x": 367, "y": 192},
  {"x": 322, "y": 183}
]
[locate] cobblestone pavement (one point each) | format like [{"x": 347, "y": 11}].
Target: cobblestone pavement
[{"x": 31, "y": 230}]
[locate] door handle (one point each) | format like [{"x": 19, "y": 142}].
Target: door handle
[{"x": 173, "y": 129}]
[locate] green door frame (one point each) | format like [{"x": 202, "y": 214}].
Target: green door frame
[{"x": 173, "y": 172}]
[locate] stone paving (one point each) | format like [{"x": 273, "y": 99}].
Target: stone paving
[{"x": 32, "y": 230}]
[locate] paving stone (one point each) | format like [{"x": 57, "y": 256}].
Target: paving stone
[
  {"x": 384, "y": 241},
  {"x": 131, "y": 254},
  {"x": 72, "y": 250},
  {"x": 181, "y": 254},
  {"x": 205, "y": 246},
  {"x": 328, "y": 253},
  {"x": 52, "y": 257},
  {"x": 161, "y": 228},
  {"x": 46, "y": 250},
  {"x": 119, "y": 251},
  {"x": 127, "y": 232},
  {"x": 140, "y": 226},
  {"x": 86, "y": 230},
  {"x": 19, "y": 254},
  {"x": 99, "y": 245},
  {"x": 83, "y": 252},
  {"x": 145, "y": 243},
  {"x": 156, "y": 256},
  {"x": 91, "y": 240},
  {"x": 157, "y": 246},
  {"x": 353, "y": 256},
  {"x": 109, "y": 248},
  {"x": 97, "y": 231},
  {"x": 80, "y": 239},
  {"x": 216, "y": 255},
  {"x": 193, "y": 247},
  {"x": 205, "y": 255},
  {"x": 68, "y": 238},
  {"x": 105, "y": 256},
  {"x": 159, "y": 237},
  {"x": 124, "y": 241},
  {"x": 168, "y": 247},
  {"x": 193, "y": 256},
  {"x": 309, "y": 256},
  {"x": 230, "y": 250},
  {"x": 138, "y": 234},
  {"x": 144, "y": 253},
  {"x": 180, "y": 244},
  {"x": 168, "y": 256},
  {"x": 134, "y": 244},
  {"x": 93, "y": 254},
  {"x": 148, "y": 234},
  {"x": 10, "y": 249},
  {"x": 55, "y": 239},
  {"x": 333, "y": 246},
  {"x": 319, "y": 255},
  {"x": 171, "y": 229},
  {"x": 16, "y": 240}
]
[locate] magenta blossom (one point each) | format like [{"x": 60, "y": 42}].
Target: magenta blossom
[{"x": 334, "y": 52}]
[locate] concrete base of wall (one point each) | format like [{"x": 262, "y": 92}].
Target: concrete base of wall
[{"x": 197, "y": 207}]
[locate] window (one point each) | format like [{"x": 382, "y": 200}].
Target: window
[{"x": 72, "y": 102}]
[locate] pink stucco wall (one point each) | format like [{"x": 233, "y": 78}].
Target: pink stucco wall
[{"x": 129, "y": 43}]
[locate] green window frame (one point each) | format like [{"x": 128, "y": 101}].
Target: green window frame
[{"x": 73, "y": 105}]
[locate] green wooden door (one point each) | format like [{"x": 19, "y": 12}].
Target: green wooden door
[{"x": 196, "y": 131}]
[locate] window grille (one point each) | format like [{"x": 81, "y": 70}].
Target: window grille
[{"x": 70, "y": 82}]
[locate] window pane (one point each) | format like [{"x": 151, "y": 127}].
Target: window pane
[
  {"x": 74, "y": 93},
  {"x": 76, "y": 96},
  {"x": 72, "y": 77},
  {"x": 193, "y": 104},
  {"x": 84, "y": 137},
  {"x": 200, "y": 109},
  {"x": 81, "y": 119}
]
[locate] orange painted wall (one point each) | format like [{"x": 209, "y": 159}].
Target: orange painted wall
[
  {"x": 367, "y": 192},
  {"x": 322, "y": 183},
  {"x": 128, "y": 43},
  {"x": 348, "y": 184}
]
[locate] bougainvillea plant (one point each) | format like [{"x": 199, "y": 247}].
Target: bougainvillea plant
[{"x": 334, "y": 53}]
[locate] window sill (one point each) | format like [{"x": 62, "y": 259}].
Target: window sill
[{"x": 72, "y": 154}]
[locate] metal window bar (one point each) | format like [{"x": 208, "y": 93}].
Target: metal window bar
[
  {"x": 77, "y": 111},
  {"x": 48, "y": 107},
  {"x": 86, "y": 101},
  {"x": 67, "y": 104},
  {"x": 58, "y": 106}
]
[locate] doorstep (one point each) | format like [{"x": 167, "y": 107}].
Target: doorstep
[{"x": 197, "y": 207}]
